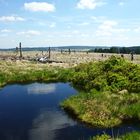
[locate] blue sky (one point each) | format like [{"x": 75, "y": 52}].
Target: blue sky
[{"x": 69, "y": 22}]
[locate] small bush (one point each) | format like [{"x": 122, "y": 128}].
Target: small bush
[
  {"x": 114, "y": 74},
  {"x": 102, "y": 137}
]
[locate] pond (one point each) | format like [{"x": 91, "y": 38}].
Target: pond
[{"x": 32, "y": 112}]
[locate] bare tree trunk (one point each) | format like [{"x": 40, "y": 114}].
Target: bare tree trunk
[
  {"x": 20, "y": 50},
  {"x": 17, "y": 50},
  {"x": 49, "y": 52},
  {"x": 69, "y": 51}
]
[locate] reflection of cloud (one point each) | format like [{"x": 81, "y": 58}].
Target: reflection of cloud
[
  {"x": 47, "y": 123},
  {"x": 41, "y": 88}
]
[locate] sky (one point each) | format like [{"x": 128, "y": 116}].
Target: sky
[{"x": 42, "y": 23}]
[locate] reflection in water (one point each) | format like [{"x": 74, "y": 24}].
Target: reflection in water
[
  {"x": 41, "y": 88},
  {"x": 25, "y": 116},
  {"x": 47, "y": 123},
  {"x": 28, "y": 112}
]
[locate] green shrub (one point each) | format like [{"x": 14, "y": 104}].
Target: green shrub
[
  {"x": 114, "y": 74},
  {"x": 128, "y": 136},
  {"x": 131, "y": 136},
  {"x": 102, "y": 137}
]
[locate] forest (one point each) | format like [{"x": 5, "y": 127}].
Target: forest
[{"x": 122, "y": 50}]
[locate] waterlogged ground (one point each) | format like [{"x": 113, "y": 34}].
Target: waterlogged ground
[{"x": 32, "y": 112}]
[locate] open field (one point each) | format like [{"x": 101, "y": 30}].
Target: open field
[{"x": 64, "y": 59}]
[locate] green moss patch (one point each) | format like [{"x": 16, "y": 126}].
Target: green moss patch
[
  {"x": 104, "y": 109},
  {"x": 111, "y": 92},
  {"x": 129, "y": 136}
]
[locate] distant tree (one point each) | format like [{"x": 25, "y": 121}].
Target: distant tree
[
  {"x": 113, "y": 50},
  {"x": 122, "y": 50}
]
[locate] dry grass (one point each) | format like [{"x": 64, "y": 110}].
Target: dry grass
[{"x": 67, "y": 60}]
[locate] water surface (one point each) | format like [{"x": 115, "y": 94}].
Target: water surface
[{"x": 32, "y": 112}]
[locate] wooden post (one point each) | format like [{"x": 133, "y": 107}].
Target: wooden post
[
  {"x": 69, "y": 51},
  {"x": 20, "y": 50},
  {"x": 16, "y": 49},
  {"x": 132, "y": 56},
  {"x": 122, "y": 55},
  {"x": 49, "y": 52}
]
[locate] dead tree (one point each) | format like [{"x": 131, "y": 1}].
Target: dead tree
[
  {"x": 132, "y": 56},
  {"x": 20, "y": 50},
  {"x": 17, "y": 50},
  {"x": 69, "y": 51},
  {"x": 49, "y": 52},
  {"x": 102, "y": 55}
]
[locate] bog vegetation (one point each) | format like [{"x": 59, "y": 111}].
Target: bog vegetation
[
  {"x": 129, "y": 136},
  {"x": 113, "y": 75},
  {"x": 110, "y": 94},
  {"x": 24, "y": 71},
  {"x": 109, "y": 90}
]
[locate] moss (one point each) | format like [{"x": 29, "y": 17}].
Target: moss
[
  {"x": 102, "y": 137},
  {"x": 102, "y": 104},
  {"x": 129, "y": 136},
  {"x": 12, "y": 72},
  {"x": 104, "y": 109}
]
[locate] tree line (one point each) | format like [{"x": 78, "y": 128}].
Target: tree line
[{"x": 123, "y": 50}]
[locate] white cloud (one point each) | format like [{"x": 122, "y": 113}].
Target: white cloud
[
  {"x": 94, "y": 18},
  {"x": 42, "y": 23},
  {"x": 99, "y": 19},
  {"x": 47, "y": 24},
  {"x": 11, "y": 18},
  {"x": 39, "y": 6},
  {"x": 84, "y": 35},
  {"x": 121, "y": 3},
  {"x": 108, "y": 27},
  {"x": 75, "y": 32},
  {"x": 5, "y": 31},
  {"x": 89, "y": 4},
  {"x": 84, "y": 23},
  {"x": 108, "y": 24},
  {"x": 3, "y": 35},
  {"x": 121, "y": 30},
  {"x": 29, "y": 33},
  {"x": 52, "y": 25},
  {"x": 137, "y": 29},
  {"x": 105, "y": 29}
]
